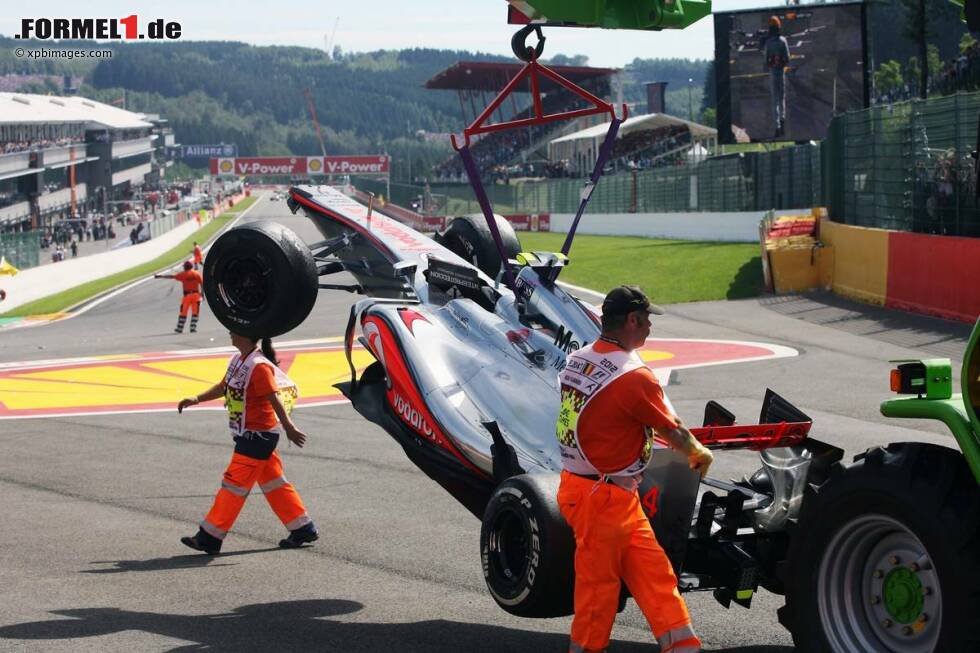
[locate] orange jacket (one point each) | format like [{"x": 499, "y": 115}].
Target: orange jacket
[
  {"x": 191, "y": 280},
  {"x": 611, "y": 428}
]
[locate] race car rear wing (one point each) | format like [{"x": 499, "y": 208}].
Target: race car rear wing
[{"x": 781, "y": 424}]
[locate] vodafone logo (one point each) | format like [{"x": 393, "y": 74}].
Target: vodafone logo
[{"x": 412, "y": 416}]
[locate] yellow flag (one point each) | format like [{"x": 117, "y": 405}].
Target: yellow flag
[{"x": 7, "y": 268}]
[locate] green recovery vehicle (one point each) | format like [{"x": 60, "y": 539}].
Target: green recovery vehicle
[{"x": 885, "y": 555}]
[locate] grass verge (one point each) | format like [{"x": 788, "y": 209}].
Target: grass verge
[
  {"x": 669, "y": 271},
  {"x": 68, "y": 298}
]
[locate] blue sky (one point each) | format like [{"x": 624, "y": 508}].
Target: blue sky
[{"x": 363, "y": 25}]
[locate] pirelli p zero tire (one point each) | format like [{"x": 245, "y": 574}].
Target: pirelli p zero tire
[
  {"x": 469, "y": 237},
  {"x": 886, "y": 556},
  {"x": 260, "y": 279},
  {"x": 527, "y": 549}
]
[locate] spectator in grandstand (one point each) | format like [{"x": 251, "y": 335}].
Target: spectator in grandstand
[
  {"x": 776, "y": 51},
  {"x": 10, "y": 147}
]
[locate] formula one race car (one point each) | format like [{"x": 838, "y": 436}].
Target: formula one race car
[
  {"x": 466, "y": 380},
  {"x": 469, "y": 334}
]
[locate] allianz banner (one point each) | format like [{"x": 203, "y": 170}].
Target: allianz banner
[{"x": 209, "y": 151}]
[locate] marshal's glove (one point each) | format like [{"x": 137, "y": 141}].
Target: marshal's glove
[{"x": 699, "y": 458}]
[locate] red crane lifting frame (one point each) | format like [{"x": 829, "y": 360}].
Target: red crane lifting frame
[{"x": 533, "y": 70}]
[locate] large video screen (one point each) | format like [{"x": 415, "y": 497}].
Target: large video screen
[{"x": 783, "y": 72}]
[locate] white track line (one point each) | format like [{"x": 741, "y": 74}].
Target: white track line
[{"x": 289, "y": 345}]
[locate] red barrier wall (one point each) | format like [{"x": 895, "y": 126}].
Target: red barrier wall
[{"x": 937, "y": 275}]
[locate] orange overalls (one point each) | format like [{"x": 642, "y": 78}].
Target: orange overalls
[
  {"x": 191, "y": 281},
  {"x": 255, "y": 461},
  {"x": 613, "y": 538},
  {"x": 198, "y": 256}
]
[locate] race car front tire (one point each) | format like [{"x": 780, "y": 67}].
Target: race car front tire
[
  {"x": 469, "y": 237},
  {"x": 260, "y": 279},
  {"x": 527, "y": 548}
]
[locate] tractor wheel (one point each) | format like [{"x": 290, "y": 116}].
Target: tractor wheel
[{"x": 886, "y": 556}]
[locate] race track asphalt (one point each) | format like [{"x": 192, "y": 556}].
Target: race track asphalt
[{"x": 94, "y": 506}]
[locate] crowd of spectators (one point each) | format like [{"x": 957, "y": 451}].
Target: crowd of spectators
[
  {"x": 10, "y": 147},
  {"x": 960, "y": 73},
  {"x": 651, "y": 148}
]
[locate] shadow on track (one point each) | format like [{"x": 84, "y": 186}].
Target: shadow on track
[
  {"x": 189, "y": 561},
  {"x": 300, "y": 625}
]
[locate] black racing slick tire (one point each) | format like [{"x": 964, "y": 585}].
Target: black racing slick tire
[
  {"x": 260, "y": 279},
  {"x": 886, "y": 556},
  {"x": 469, "y": 237},
  {"x": 528, "y": 549}
]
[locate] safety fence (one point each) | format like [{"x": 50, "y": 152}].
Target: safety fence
[
  {"x": 21, "y": 249},
  {"x": 906, "y": 166},
  {"x": 781, "y": 179}
]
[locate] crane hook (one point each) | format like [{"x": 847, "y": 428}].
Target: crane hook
[{"x": 518, "y": 43}]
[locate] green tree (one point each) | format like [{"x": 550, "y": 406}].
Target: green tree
[
  {"x": 966, "y": 42},
  {"x": 709, "y": 99},
  {"x": 888, "y": 77},
  {"x": 709, "y": 117},
  {"x": 564, "y": 60},
  {"x": 921, "y": 18},
  {"x": 935, "y": 62}
]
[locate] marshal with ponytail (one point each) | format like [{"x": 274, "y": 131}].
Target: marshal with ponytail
[{"x": 269, "y": 352}]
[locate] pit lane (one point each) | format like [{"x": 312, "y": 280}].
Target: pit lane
[{"x": 95, "y": 504}]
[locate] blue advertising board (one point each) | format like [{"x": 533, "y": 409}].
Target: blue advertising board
[{"x": 207, "y": 152}]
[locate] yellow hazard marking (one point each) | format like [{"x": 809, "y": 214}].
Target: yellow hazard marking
[
  {"x": 134, "y": 382},
  {"x": 315, "y": 373},
  {"x": 648, "y": 355}
]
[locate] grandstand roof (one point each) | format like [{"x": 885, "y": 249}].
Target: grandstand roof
[
  {"x": 493, "y": 76},
  {"x": 640, "y": 123},
  {"x": 25, "y": 108}
]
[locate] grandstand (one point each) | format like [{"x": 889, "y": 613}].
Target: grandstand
[
  {"x": 521, "y": 152},
  {"x": 647, "y": 141},
  {"x": 71, "y": 156}
]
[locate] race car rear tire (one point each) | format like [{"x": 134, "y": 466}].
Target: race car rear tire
[
  {"x": 527, "y": 548},
  {"x": 260, "y": 279},
  {"x": 469, "y": 237},
  {"x": 886, "y": 556}
]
